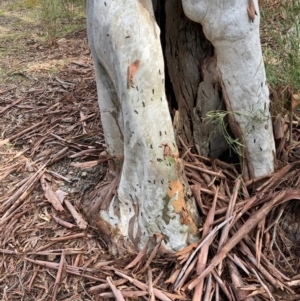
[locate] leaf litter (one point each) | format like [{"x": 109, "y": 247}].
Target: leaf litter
[{"x": 52, "y": 158}]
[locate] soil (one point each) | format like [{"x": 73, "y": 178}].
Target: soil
[{"x": 49, "y": 122}]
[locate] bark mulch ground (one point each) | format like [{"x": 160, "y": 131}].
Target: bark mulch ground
[{"x": 52, "y": 155}]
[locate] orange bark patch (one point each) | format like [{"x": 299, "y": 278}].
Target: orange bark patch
[
  {"x": 167, "y": 150},
  {"x": 176, "y": 187},
  {"x": 180, "y": 205},
  {"x": 132, "y": 69}
]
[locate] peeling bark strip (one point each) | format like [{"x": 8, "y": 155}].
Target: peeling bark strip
[
  {"x": 251, "y": 10},
  {"x": 132, "y": 69}
]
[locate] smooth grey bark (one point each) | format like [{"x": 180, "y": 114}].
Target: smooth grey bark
[{"x": 151, "y": 198}]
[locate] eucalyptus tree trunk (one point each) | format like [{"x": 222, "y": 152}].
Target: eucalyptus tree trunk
[
  {"x": 232, "y": 26},
  {"x": 134, "y": 62},
  {"x": 128, "y": 59}
]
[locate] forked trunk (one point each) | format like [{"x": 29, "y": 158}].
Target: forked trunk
[{"x": 153, "y": 196}]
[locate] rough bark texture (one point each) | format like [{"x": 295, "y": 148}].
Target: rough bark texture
[
  {"x": 190, "y": 67},
  {"x": 185, "y": 50},
  {"x": 206, "y": 134}
]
